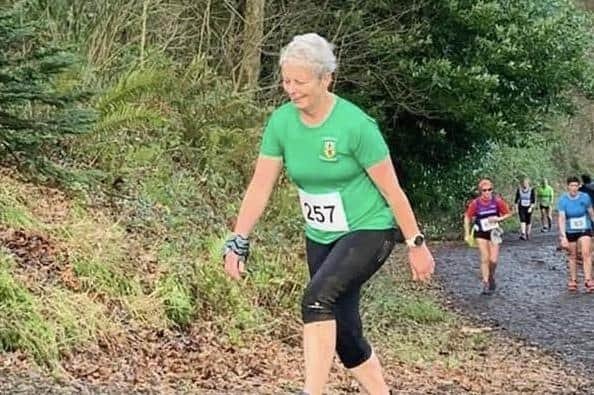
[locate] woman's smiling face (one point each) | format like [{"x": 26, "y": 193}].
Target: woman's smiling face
[{"x": 304, "y": 87}]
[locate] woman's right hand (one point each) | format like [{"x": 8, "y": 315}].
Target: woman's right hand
[
  {"x": 564, "y": 242},
  {"x": 234, "y": 267},
  {"x": 421, "y": 262},
  {"x": 468, "y": 238}
]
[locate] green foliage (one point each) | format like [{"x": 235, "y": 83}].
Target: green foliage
[
  {"x": 388, "y": 308},
  {"x": 443, "y": 193},
  {"x": 472, "y": 72},
  {"x": 33, "y": 113},
  {"x": 97, "y": 252},
  {"x": 177, "y": 300},
  {"x": 44, "y": 325},
  {"x": 97, "y": 274},
  {"x": 220, "y": 298}
]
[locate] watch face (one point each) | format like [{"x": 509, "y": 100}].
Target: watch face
[{"x": 419, "y": 240}]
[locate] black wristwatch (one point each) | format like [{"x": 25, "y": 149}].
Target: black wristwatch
[{"x": 416, "y": 241}]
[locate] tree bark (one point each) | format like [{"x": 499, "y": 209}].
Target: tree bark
[
  {"x": 588, "y": 4},
  {"x": 253, "y": 35}
]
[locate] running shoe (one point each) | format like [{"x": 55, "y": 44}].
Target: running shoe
[
  {"x": 487, "y": 289},
  {"x": 492, "y": 284}
]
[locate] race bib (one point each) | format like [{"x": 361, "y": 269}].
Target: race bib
[
  {"x": 486, "y": 225},
  {"x": 577, "y": 223},
  {"x": 323, "y": 211},
  {"x": 525, "y": 202}
]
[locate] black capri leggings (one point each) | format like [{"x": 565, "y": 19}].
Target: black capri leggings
[
  {"x": 338, "y": 270},
  {"x": 524, "y": 215}
]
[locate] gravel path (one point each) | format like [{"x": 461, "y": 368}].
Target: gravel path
[{"x": 532, "y": 301}]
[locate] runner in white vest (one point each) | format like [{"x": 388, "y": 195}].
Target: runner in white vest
[{"x": 525, "y": 200}]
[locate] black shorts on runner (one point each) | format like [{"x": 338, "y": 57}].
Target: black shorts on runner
[
  {"x": 544, "y": 207},
  {"x": 479, "y": 234},
  {"x": 573, "y": 237},
  {"x": 525, "y": 216}
]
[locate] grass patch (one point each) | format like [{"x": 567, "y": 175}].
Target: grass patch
[
  {"x": 99, "y": 275},
  {"x": 22, "y": 325},
  {"x": 97, "y": 250},
  {"x": 13, "y": 212},
  {"x": 76, "y": 319},
  {"x": 390, "y": 306},
  {"x": 177, "y": 300},
  {"x": 410, "y": 324}
]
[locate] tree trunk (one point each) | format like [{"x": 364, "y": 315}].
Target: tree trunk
[
  {"x": 253, "y": 35},
  {"x": 588, "y": 4}
]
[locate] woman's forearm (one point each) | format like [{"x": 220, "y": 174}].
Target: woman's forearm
[
  {"x": 403, "y": 212},
  {"x": 254, "y": 202},
  {"x": 561, "y": 224},
  {"x": 257, "y": 194},
  {"x": 504, "y": 217}
]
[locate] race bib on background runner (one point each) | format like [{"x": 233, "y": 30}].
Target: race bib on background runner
[
  {"x": 577, "y": 223},
  {"x": 323, "y": 211},
  {"x": 525, "y": 202}
]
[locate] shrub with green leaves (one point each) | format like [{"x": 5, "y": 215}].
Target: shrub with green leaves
[
  {"x": 443, "y": 193},
  {"x": 34, "y": 112}
]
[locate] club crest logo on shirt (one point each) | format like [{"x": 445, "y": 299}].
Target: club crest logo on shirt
[{"x": 328, "y": 150}]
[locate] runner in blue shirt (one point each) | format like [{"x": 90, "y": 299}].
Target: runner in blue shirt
[{"x": 575, "y": 225}]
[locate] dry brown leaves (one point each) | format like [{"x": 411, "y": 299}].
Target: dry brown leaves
[
  {"x": 39, "y": 261},
  {"x": 201, "y": 358},
  {"x": 49, "y": 205}
]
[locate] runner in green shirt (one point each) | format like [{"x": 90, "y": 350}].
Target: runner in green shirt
[
  {"x": 350, "y": 199},
  {"x": 325, "y": 162},
  {"x": 545, "y": 196}
]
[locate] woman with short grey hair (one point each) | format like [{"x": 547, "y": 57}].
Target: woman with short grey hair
[
  {"x": 350, "y": 199},
  {"x": 311, "y": 49}
]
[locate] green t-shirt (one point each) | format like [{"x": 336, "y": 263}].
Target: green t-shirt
[
  {"x": 545, "y": 195},
  {"x": 327, "y": 162}
]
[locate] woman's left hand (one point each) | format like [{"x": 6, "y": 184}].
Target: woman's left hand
[{"x": 421, "y": 263}]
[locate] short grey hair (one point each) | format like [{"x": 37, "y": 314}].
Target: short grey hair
[{"x": 312, "y": 49}]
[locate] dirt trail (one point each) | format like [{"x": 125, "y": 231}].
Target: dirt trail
[{"x": 531, "y": 301}]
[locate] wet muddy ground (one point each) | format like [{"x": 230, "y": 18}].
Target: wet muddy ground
[{"x": 531, "y": 301}]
